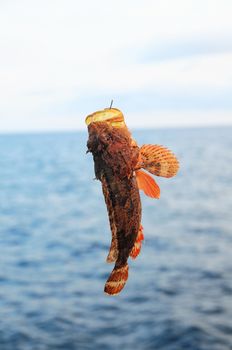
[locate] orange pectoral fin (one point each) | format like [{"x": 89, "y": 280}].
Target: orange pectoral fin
[
  {"x": 138, "y": 244},
  {"x": 147, "y": 184},
  {"x": 158, "y": 160}
]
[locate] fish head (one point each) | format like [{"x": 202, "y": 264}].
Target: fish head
[{"x": 113, "y": 116}]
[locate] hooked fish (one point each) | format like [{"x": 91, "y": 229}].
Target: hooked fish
[{"x": 118, "y": 161}]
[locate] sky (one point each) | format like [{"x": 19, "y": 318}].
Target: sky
[{"x": 165, "y": 63}]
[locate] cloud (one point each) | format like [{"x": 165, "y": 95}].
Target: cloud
[
  {"x": 186, "y": 48},
  {"x": 61, "y": 59}
]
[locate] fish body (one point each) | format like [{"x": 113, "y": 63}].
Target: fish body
[
  {"x": 115, "y": 159},
  {"x": 117, "y": 163}
]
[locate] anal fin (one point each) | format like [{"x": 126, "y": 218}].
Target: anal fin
[{"x": 138, "y": 244}]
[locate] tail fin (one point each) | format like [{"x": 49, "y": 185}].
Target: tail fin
[
  {"x": 138, "y": 244},
  {"x": 117, "y": 280}
]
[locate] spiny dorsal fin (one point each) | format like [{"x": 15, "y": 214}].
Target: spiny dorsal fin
[{"x": 113, "y": 252}]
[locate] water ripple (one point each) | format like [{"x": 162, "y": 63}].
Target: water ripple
[{"x": 54, "y": 239}]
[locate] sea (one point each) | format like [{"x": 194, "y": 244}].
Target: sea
[{"x": 55, "y": 236}]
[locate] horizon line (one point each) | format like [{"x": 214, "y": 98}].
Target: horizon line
[{"x": 62, "y": 131}]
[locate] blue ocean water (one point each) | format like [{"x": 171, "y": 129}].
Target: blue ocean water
[{"x": 54, "y": 238}]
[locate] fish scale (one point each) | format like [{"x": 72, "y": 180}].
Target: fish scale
[{"x": 118, "y": 162}]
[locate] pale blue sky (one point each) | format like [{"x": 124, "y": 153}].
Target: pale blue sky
[{"x": 165, "y": 63}]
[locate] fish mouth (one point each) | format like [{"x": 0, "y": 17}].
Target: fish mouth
[{"x": 113, "y": 116}]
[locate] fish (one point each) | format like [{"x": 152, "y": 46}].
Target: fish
[{"x": 123, "y": 169}]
